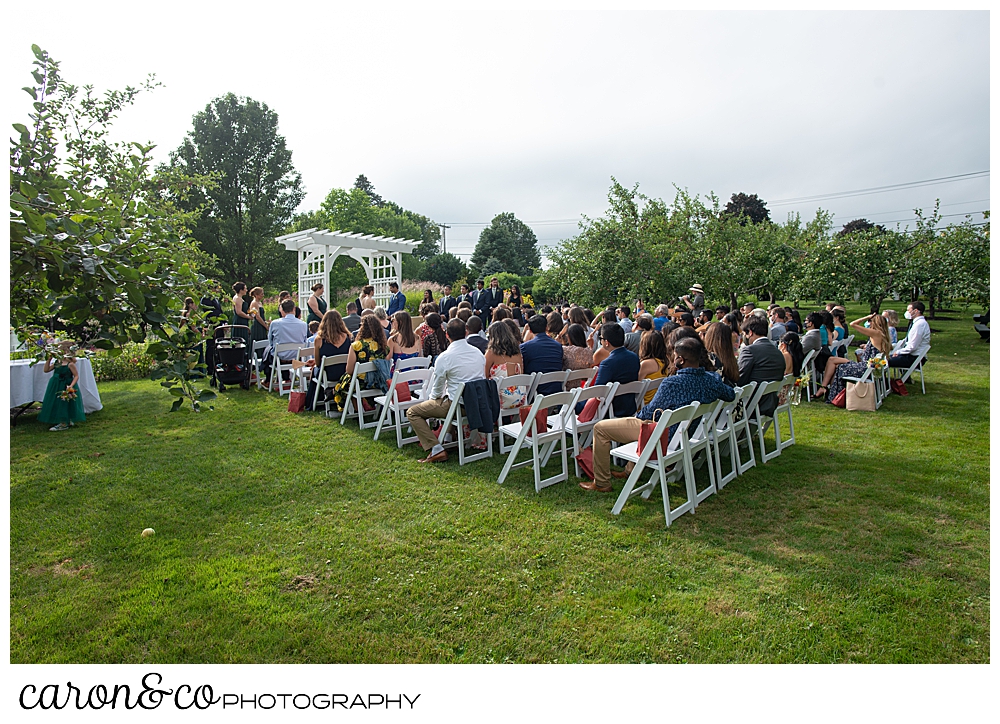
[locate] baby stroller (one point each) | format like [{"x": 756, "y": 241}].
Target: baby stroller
[{"x": 231, "y": 365}]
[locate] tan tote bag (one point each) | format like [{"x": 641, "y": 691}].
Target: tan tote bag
[{"x": 861, "y": 396}]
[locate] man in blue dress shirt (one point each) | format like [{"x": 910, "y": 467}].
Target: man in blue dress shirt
[
  {"x": 397, "y": 300},
  {"x": 690, "y": 383},
  {"x": 542, "y": 354},
  {"x": 621, "y": 365}
]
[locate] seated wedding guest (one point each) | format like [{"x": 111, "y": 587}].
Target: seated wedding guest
[
  {"x": 436, "y": 342},
  {"x": 643, "y": 323},
  {"x": 460, "y": 362},
  {"x": 465, "y": 315},
  {"x": 554, "y": 325},
  {"x": 423, "y": 330},
  {"x": 500, "y": 312},
  {"x": 778, "y": 328},
  {"x": 918, "y": 338},
  {"x": 790, "y": 347},
  {"x": 619, "y": 366},
  {"x": 503, "y": 359},
  {"x": 474, "y": 332},
  {"x": 840, "y": 325},
  {"x": 813, "y": 338},
  {"x": 542, "y": 354},
  {"x": 760, "y": 361},
  {"x": 403, "y": 344},
  {"x": 515, "y": 327},
  {"x": 546, "y": 310},
  {"x": 892, "y": 319},
  {"x": 660, "y": 315},
  {"x": 382, "y": 317},
  {"x": 370, "y": 345},
  {"x": 623, "y": 319},
  {"x": 313, "y": 328},
  {"x": 703, "y": 320},
  {"x": 576, "y": 354},
  {"x": 838, "y": 368},
  {"x": 686, "y": 319},
  {"x": 720, "y": 312},
  {"x": 747, "y": 309},
  {"x": 719, "y": 344},
  {"x": 733, "y": 321},
  {"x": 676, "y": 335},
  {"x": 286, "y": 330},
  {"x": 828, "y": 330},
  {"x": 464, "y": 304},
  {"x": 332, "y": 338},
  {"x": 352, "y": 321},
  {"x": 653, "y": 363},
  {"x": 690, "y": 383}
]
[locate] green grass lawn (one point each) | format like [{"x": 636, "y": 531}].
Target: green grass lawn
[{"x": 288, "y": 538}]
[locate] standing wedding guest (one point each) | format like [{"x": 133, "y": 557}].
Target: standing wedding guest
[
  {"x": 258, "y": 316},
  {"x": 397, "y": 300},
  {"x": 465, "y": 296},
  {"x": 428, "y": 298},
  {"x": 488, "y": 300},
  {"x": 696, "y": 303},
  {"x": 316, "y": 304},
  {"x": 241, "y": 311},
  {"x": 62, "y": 405},
  {"x": 367, "y": 298},
  {"x": 446, "y": 302}
]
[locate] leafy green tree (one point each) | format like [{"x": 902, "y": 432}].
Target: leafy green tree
[
  {"x": 747, "y": 207},
  {"x": 444, "y": 268},
  {"x": 363, "y": 184},
  {"x": 99, "y": 251},
  {"x": 236, "y": 140},
  {"x": 511, "y": 242},
  {"x": 860, "y": 225}
]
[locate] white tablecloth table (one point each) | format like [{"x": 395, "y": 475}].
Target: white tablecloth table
[{"x": 28, "y": 383}]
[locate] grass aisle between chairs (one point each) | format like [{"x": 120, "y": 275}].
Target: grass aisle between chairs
[{"x": 288, "y": 538}]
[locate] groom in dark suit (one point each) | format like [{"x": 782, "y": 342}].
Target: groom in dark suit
[{"x": 760, "y": 361}]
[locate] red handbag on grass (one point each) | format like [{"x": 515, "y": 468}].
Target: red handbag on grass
[
  {"x": 541, "y": 419},
  {"x": 296, "y": 401},
  {"x": 841, "y": 399},
  {"x": 645, "y": 433},
  {"x": 899, "y": 387},
  {"x": 589, "y": 410},
  {"x": 586, "y": 462},
  {"x": 403, "y": 392}
]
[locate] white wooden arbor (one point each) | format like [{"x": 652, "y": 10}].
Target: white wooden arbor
[{"x": 379, "y": 256}]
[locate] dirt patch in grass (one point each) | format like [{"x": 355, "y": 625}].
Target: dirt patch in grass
[
  {"x": 64, "y": 567},
  {"x": 301, "y": 583}
]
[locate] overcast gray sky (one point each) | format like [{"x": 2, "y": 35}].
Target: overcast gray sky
[{"x": 461, "y": 114}]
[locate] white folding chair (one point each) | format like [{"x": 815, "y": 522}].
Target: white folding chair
[
  {"x": 700, "y": 441},
  {"x": 278, "y": 366},
  {"x": 784, "y": 408},
  {"x": 512, "y": 414},
  {"x": 457, "y": 419},
  {"x": 257, "y": 359},
  {"x": 303, "y": 373},
  {"x": 323, "y": 381},
  {"x": 528, "y": 435},
  {"x": 724, "y": 437},
  {"x": 394, "y": 409},
  {"x": 411, "y": 363},
  {"x": 760, "y": 422},
  {"x": 807, "y": 366},
  {"x": 546, "y": 378},
  {"x": 678, "y": 451},
  {"x": 917, "y": 366},
  {"x": 579, "y": 378},
  {"x": 741, "y": 427},
  {"x": 356, "y": 394},
  {"x": 637, "y": 389},
  {"x": 581, "y": 432}
]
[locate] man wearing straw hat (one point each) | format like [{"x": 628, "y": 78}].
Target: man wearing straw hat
[{"x": 697, "y": 302}]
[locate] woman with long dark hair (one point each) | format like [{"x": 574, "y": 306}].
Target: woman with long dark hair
[
  {"x": 403, "y": 343},
  {"x": 653, "y": 361},
  {"x": 436, "y": 342},
  {"x": 332, "y": 338},
  {"x": 719, "y": 343},
  {"x": 791, "y": 349},
  {"x": 576, "y": 354}
]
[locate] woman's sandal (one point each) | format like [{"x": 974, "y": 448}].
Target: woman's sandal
[{"x": 818, "y": 395}]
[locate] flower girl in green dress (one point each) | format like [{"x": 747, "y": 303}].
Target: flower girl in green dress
[{"x": 62, "y": 404}]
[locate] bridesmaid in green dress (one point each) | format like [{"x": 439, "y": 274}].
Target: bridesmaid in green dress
[
  {"x": 316, "y": 304},
  {"x": 62, "y": 413},
  {"x": 241, "y": 310},
  {"x": 259, "y": 325}
]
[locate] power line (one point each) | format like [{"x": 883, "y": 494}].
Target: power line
[
  {"x": 900, "y": 211},
  {"x": 881, "y": 189}
]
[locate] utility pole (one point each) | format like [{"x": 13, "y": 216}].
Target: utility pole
[{"x": 444, "y": 238}]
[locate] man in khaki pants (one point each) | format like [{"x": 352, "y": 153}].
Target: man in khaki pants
[
  {"x": 690, "y": 383},
  {"x": 461, "y": 362}
]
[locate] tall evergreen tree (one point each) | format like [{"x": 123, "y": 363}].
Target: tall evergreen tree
[
  {"x": 509, "y": 240},
  {"x": 257, "y": 189}
]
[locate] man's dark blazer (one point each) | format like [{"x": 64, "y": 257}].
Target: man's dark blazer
[{"x": 762, "y": 362}]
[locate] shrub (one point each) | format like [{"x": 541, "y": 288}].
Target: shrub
[{"x": 132, "y": 364}]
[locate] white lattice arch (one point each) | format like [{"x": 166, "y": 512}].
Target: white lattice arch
[{"x": 379, "y": 256}]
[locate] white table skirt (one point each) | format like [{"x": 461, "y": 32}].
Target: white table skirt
[{"x": 28, "y": 383}]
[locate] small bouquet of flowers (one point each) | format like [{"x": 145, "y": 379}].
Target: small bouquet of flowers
[
  {"x": 877, "y": 363},
  {"x": 68, "y": 395},
  {"x": 800, "y": 384}
]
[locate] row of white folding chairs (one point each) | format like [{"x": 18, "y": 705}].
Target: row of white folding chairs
[{"x": 717, "y": 430}]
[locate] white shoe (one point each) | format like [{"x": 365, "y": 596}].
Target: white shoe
[{"x": 60, "y": 426}]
